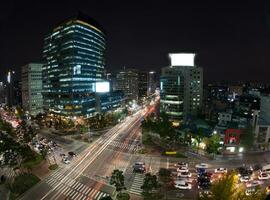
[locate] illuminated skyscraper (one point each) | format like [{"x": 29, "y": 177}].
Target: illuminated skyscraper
[
  {"x": 32, "y": 88},
  {"x": 74, "y": 60},
  {"x": 181, "y": 87}
]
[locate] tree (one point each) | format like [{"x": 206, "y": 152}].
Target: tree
[
  {"x": 118, "y": 180},
  {"x": 247, "y": 138},
  {"x": 199, "y": 135},
  {"x": 123, "y": 196},
  {"x": 165, "y": 177},
  {"x": 106, "y": 198},
  {"x": 226, "y": 188},
  {"x": 150, "y": 187},
  {"x": 213, "y": 144}
]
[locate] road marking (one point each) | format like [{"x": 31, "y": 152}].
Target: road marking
[{"x": 168, "y": 163}]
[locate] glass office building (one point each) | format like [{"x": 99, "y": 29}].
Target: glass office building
[{"x": 74, "y": 61}]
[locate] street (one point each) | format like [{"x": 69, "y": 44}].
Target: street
[{"x": 87, "y": 177}]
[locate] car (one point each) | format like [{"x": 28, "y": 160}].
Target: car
[
  {"x": 182, "y": 185},
  {"x": 66, "y": 161},
  {"x": 267, "y": 189},
  {"x": 245, "y": 179},
  {"x": 204, "y": 183},
  {"x": 184, "y": 174},
  {"x": 140, "y": 163},
  {"x": 201, "y": 171},
  {"x": 249, "y": 191},
  {"x": 202, "y": 165},
  {"x": 72, "y": 154},
  {"x": 254, "y": 183},
  {"x": 181, "y": 164},
  {"x": 182, "y": 169},
  {"x": 263, "y": 176},
  {"x": 221, "y": 170},
  {"x": 205, "y": 193},
  {"x": 139, "y": 167}
]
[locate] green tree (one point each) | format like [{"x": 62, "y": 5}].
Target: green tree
[
  {"x": 213, "y": 144},
  {"x": 106, "y": 198},
  {"x": 199, "y": 136},
  {"x": 150, "y": 187},
  {"x": 165, "y": 178},
  {"x": 118, "y": 180},
  {"x": 123, "y": 196},
  {"x": 227, "y": 188},
  {"x": 247, "y": 138}
]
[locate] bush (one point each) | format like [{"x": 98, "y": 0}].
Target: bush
[
  {"x": 35, "y": 161},
  {"x": 23, "y": 182},
  {"x": 53, "y": 167},
  {"x": 180, "y": 155}
]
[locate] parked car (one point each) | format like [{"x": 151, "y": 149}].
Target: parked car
[
  {"x": 250, "y": 191},
  {"x": 245, "y": 178},
  {"x": 181, "y": 164},
  {"x": 184, "y": 174},
  {"x": 139, "y": 167},
  {"x": 202, "y": 165},
  {"x": 182, "y": 185},
  {"x": 221, "y": 170},
  {"x": 263, "y": 176},
  {"x": 182, "y": 169},
  {"x": 254, "y": 183},
  {"x": 66, "y": 161},
  {"x": 72, "y": 154}
]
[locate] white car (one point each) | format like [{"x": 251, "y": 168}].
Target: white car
[
  {"x": 184, "y": 174},
  {"x": 202, "y": 165},
  {"x": 250, "y": 191},
  {"x": 221, "y": 170},
  {"x": 66, "y": 161},
  {"x": 254, "y": 183},
  {"x": 263, "y": 176},
  {"x": 182, "y": 169},
  {"x": 245, "y": 179},
  {"x": 182, "y": 185},
  {"x": 181, "y": 164}
]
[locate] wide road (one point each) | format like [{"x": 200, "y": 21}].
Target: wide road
[{"x": 85, "y": 177}]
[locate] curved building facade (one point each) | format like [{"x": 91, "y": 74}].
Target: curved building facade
[{"x": 73, "y": 61}]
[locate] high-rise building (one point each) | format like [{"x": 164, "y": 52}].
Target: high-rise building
[
  {"x": 181, "y": 87},
  {"x": 142, "y": 84},
  {"x": 152, "y": 82},
  {"x": 32, "y": 100},
  {"x": 127, "y": 81},
  {"x": 74, "y": 61},
  {"x": 13, "y": 89}
]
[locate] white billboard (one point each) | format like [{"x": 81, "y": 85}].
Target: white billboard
[
  {"x": 102, "y": 87},
  {"x": 182, "y": 59}
]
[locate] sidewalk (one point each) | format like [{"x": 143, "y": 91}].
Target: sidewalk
[{"x": 4, "y": 192}]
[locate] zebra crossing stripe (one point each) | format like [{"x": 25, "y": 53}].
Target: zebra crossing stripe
[
  {"x": 73, "y": 193},
  {"x": 77, "y": 195},
  {"x": 65, "y": 190},
  {"x": 80, "y": 187},
  {"x": 88, "y": 191},
  {"x": 100, "y": 195},
  {"x": 97, "y": 194},
  {"x": 69, "y": 191},
  {"x": 75, "y": 184},
  {"x": 84, "y": 189},
  {"x": 77, "y": 187},
  {"x": 92, "y": 192}
]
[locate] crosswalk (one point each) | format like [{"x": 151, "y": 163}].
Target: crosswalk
[
  {"x": 126, "y": 147},
  {"x": 73, "y": 189},
  {"x": 136, "y": 185}
]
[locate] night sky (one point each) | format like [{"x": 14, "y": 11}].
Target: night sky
[{"x": 232, "y": 39}]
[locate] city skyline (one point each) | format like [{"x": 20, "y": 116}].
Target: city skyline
[{"x": 231, "y": 39}]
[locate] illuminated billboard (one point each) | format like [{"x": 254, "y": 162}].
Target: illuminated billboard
[
  {"x": 102, "y": 87},
  {"x": 182, "y": 59}
]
